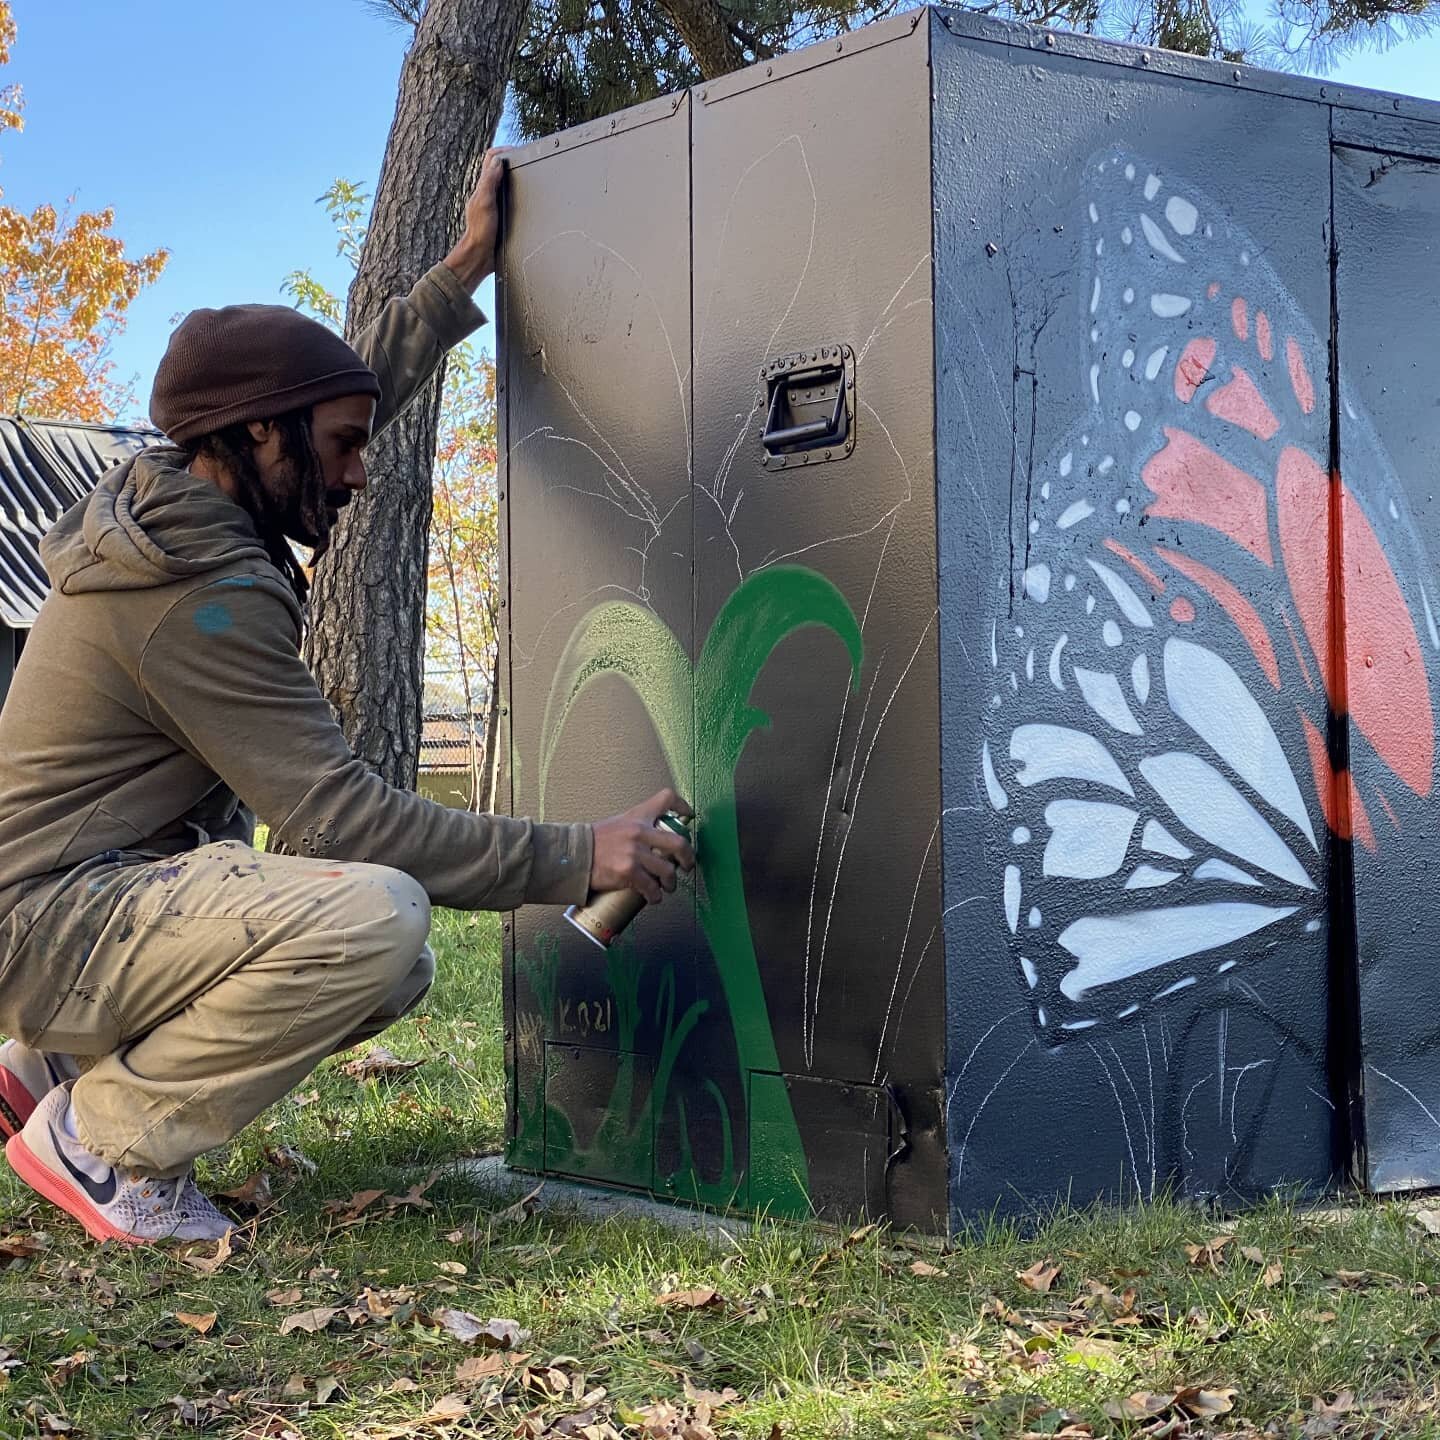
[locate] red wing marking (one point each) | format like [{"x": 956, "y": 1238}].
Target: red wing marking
[
  {"x": 1240, "y": 403},
  {"x": 1300, "y": 380},
  {"x": 1135, "y": 563},
  {"x": 1241, "y": 612},
  {"x": 1193, "y": 482},
  {"x": 1192, "y": 367},
  {"x": 1385, "y": 686},
  {"x": 1340, "y": 801}
]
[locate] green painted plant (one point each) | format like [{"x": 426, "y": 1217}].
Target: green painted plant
[{"x": 703, "y": 719}]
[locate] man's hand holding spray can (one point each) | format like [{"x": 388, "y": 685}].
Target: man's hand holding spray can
[{"x": 637, "y": 856}]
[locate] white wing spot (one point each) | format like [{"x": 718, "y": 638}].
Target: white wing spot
[{"x": 1181, "y": 214}]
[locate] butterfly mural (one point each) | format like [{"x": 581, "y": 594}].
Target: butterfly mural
[{"x": 1213, "y": 664}]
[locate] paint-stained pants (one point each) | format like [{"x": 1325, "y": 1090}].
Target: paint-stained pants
[{"x": 215, "y": 982}]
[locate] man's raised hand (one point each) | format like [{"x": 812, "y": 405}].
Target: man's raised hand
[{"x": 473, "y": 257}]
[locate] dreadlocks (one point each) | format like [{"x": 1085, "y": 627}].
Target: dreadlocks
[{"x": 233, "y": 448}]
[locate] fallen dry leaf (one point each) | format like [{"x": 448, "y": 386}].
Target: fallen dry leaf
[
  {"x": 354, "y": 1207},
  {"x": 67, "y": 1368},
  {"x": 522, "y": 1209},
  {"x": 291, "y": 1157},
  {"x": 203, "y": 1323},
  {"x": 1272, "y": 1275},
  {"x": 486, "y": 1367},
  {"x": 1199, "y": 1401},
  {"x": 295, "y": 1388},
  {"x": 471, "y": 1330},
  {"x": 1253, "y": 1255},
  {"x": 1211, "y": 1253},
  {"x": 1429, "y": 1221},
  {"x": 310, "y": 1321},
  {"x": 414, "y": 1196},
  {"x": 452, "y": 1267},
  {"x": 284, "y": 1298},
  {"x": 210, "y": 1264},
  {"x": 703, "y": 1298},
  {"x": 326, "y": 1387},
  {"x": 253, "y": 1193},
  {"x": 56, "y": 1425},
  {"x": 1040, "y": 1276},
  {"x": 923, "y": 1267},
  {"x": 379, "y": 1063},
  {"x": 448, "y": 1409},
  {"x": 23, "y": 1247},
  {"x": 1142, "y": 1405}
]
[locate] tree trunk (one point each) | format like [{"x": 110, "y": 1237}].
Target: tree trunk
[
  {"x": 492, "y": 737},
  {"x": 365, "y": 642},
  {"x": 704, "y": 26}
]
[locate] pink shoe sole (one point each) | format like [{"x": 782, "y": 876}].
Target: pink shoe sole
[
  {"x": 17, "y": 1104},
  {"x": 59, "y": 1192}
]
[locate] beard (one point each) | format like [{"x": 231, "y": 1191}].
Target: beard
[{"x": 301, "y": 508}]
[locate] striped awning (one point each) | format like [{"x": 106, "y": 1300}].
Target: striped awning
[{"x": 45, "y": 467}]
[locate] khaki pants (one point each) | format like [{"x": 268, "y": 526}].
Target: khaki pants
[{"x": 215, "y": 982}]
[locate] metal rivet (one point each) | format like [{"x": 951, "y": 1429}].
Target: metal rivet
[
  {"x": 1145, "y": 59},
  {"x": 829, "y": 454},
  {"x": 839, "y": 44},
  {"x": 501, "y": 495},
  {"x": 1050, "y": 41},
  {"x": 612, "y": 124},
  {"x": 557, "y": 142},
  {"x": 504, "y": 603},
  {"x": 504, "y": 709},
  {"x": 769, "y": 69}
]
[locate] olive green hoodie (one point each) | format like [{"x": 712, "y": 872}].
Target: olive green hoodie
[{"x": 161, "y": 700}]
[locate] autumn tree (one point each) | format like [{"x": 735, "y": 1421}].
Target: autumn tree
[
  {"x": 463, "y": 561},
  {"x": 65, "y": 283},
  {"x": 462, "y": 616}
]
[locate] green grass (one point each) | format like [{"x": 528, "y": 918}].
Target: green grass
[{"x": 815, "y": 1335}]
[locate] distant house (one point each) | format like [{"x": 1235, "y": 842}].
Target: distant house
[
  {"x": 446, "y": 737},
  {"x": 45, "y": 467}
]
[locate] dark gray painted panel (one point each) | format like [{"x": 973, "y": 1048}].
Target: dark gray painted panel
[
  {"x": 1387, "y": 213},
  {"x": 1121, "y": 1019}
]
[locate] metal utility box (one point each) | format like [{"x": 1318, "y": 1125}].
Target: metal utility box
[{"x": 989, "y": 473}]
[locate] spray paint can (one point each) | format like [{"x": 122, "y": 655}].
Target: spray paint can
[{"x": 604, "y": 916}]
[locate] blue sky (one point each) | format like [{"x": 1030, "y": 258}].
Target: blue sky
[{"x": 212, "y": 126}]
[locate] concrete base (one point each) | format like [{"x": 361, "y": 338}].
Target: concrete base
[{"x": 574, "y": 1197}]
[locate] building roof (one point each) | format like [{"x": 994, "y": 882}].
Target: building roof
[{"x": 45, "y": 467}]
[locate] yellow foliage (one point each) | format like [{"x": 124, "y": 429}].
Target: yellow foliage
[{"x": 65, "y": 283}]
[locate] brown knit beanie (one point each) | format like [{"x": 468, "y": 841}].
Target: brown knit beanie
[{"x": 250, "y": 362}]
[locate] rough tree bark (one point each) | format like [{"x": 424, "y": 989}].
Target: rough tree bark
[
  {"x": 705, "y": 27},
  {"x": 365, "y": 642}
]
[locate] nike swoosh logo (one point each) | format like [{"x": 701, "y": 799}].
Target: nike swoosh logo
[{"x": 102, "y": 1192}]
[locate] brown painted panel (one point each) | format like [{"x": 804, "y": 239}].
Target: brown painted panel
[
  {"x": 595, "y": 297},
  {"x": 816, "y": 604}
]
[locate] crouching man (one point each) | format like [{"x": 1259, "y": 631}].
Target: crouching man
[{"x": 161, "y": 981}]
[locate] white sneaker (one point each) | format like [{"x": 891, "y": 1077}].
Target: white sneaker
[
  {"x": 26, "y": 1078},
  {"x": 110, "y": 1205}
]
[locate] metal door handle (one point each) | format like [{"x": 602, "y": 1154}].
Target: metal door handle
[
  {"x": 809, "y": 400},
  {"x": 819, "y": 431}
]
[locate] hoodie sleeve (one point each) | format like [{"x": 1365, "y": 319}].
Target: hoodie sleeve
[
  {"x": 413, "y": 334},
  {"x": 222, "y": 677}
]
